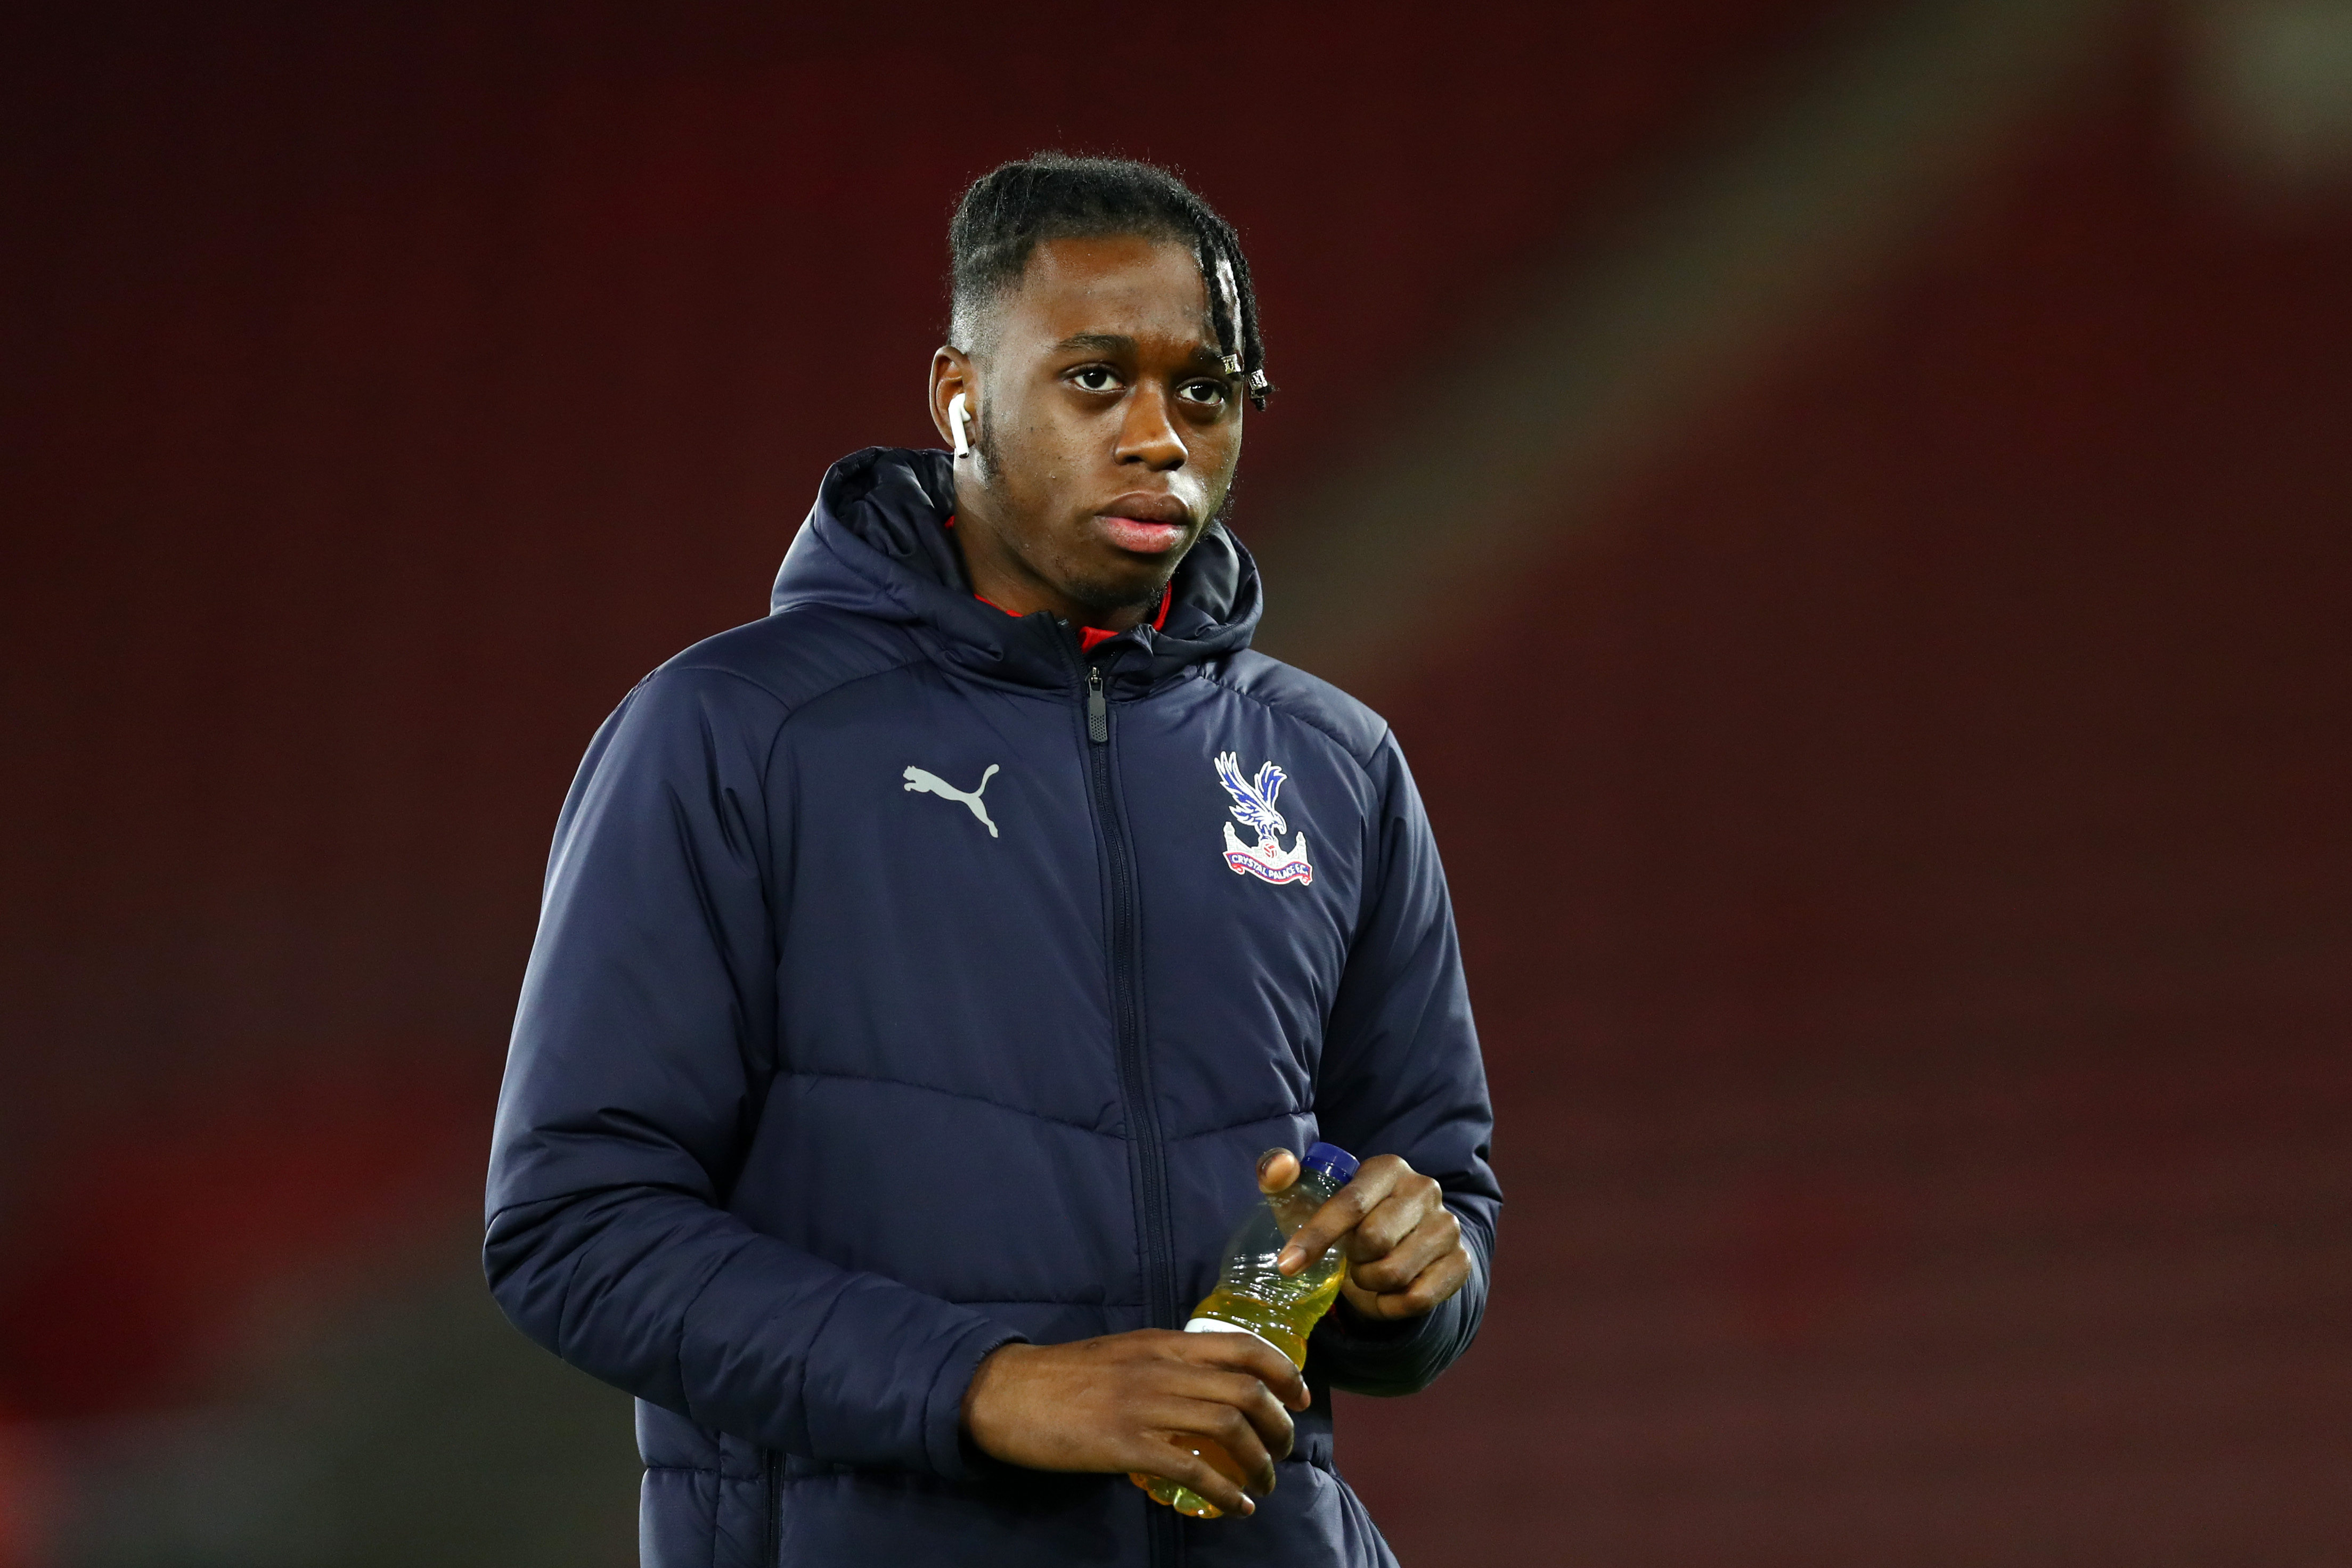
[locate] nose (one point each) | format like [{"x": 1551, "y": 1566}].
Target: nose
[{"x": 1147, "y": 435}]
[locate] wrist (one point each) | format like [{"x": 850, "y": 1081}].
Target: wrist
[{"x": 985, "y": 1379}]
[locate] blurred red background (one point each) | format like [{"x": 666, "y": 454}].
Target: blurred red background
[{"x": 1897, "y": 822}]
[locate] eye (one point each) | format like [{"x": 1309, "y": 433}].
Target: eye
[
  {"x": 1203, "y": 393},
  {"x": 1095, "y": 378}
]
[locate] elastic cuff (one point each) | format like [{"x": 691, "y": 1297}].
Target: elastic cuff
[
  {"x": 949, "y": 1452},
  {"x": 1386, "y": 1358},
  {"x": 1348, "y": 1324}
]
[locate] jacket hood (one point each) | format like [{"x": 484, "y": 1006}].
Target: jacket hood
[{"x": 876, "y": 543}]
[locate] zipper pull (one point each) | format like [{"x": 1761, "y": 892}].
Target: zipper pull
[{"x": 1097, "y": 710}]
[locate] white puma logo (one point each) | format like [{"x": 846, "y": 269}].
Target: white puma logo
[{"x": 931, "y": 783}]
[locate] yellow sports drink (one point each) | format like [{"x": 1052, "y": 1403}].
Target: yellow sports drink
[{"x": 1253, "y": 1298}]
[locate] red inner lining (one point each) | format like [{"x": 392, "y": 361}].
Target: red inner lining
[{"x": 1087, "y": 636}]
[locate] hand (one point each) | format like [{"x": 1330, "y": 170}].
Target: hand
[
  {"x": 1141, "y": 1401},
  {"x": 1404, "y": 1246}
]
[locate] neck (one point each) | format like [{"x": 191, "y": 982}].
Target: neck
[{"x": 1005, "y": 577}]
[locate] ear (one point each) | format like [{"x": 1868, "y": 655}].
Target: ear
[{"x": 952, "y": 373}]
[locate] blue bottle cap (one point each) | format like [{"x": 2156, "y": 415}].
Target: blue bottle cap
[{"x": 1332, "y": 1160}]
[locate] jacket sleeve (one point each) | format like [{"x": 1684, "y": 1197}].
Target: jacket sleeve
[
  {"x": 644, "y": 1040},
  {"x": 1401, "y": 1075}
]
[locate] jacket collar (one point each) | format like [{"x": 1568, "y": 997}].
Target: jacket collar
[{"x": 876, "y": 543}]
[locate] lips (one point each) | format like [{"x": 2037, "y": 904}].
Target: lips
[
  {"x": 1140, "y": 534},
  {"x": 1144, "y": 524}
]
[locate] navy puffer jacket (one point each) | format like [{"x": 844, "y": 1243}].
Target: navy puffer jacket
[{"x": 908, "y": 983}]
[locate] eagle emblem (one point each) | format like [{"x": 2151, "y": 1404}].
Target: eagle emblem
[{"x": 1253, "y": 808}]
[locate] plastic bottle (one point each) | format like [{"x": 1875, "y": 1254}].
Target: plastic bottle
[{"x": 1253, "y": 1298}]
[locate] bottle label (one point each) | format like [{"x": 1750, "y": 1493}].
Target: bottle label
[{"x": 1219, "y": 1326}]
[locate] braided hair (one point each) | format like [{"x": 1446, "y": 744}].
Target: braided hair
[{"x": 1053, "y": 196}]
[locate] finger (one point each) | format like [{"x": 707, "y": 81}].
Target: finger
[
  {"x": 1347, "y": 1208},
  {"x": 1396, "y": 1217},
  {"x": 1397, "y": 1270},
  {"x": 1191, "y": 1462},
  {"x": 1219, "y": 1458},
  {"x": 1437, "y": 1235},
  {"x": 1207, "y": 1424},
  {"x": 1217, "y": 1432},
  {"x": 1240, "y": 1438},
  {"x": 1251, "y": 1398},
  {"x": 1248, "y": 1353},
  {"x": 1277, "y": 1169},
  {"x": 1194, "y": 1470},
  {"x": 1431, "y": 1287}
]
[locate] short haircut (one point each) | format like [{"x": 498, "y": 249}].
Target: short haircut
[{"x": 1053, "y": 196}]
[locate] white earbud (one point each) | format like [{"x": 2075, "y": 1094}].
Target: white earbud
[{"x": 958, "y": 418}]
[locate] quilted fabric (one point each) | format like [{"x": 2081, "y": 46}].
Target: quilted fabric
[{"x": 880, "y": 1015}]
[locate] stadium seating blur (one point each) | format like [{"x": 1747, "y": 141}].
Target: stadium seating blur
[{"x": 1889, "y": 739}]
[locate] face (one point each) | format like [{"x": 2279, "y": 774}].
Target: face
[{"x": 1107, "y": 430}]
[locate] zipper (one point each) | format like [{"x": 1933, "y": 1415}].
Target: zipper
[
  {"x": 1126, "y": 1013},
  {"x": 1134, "y": 1068},
  {"x": 1097, "y": 710},
  {"x": 772, "y": 1533}
]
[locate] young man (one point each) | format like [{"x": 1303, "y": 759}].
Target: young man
[{"x": 929, "y": 974}]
